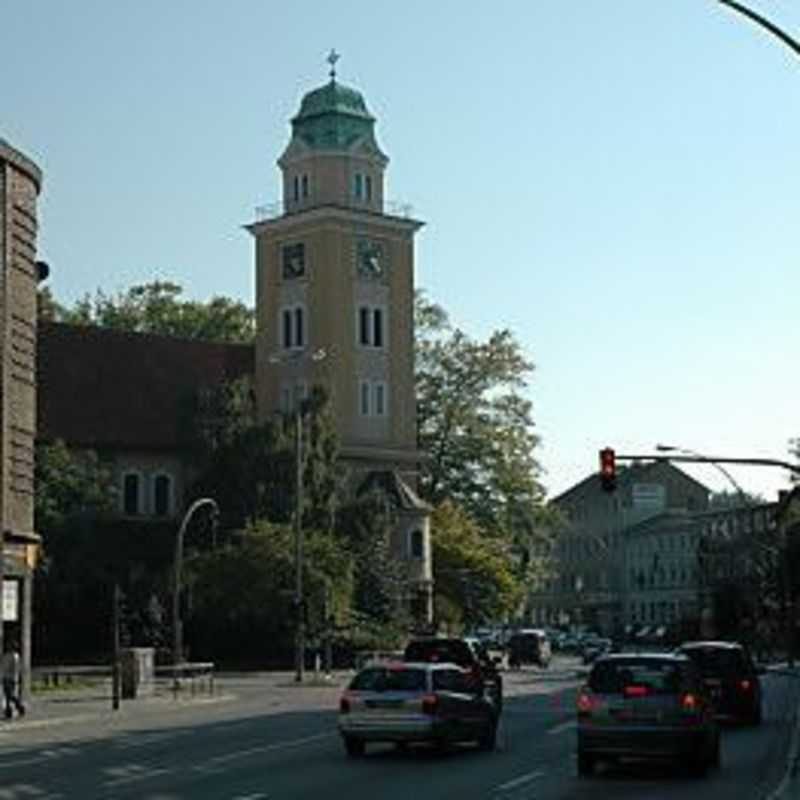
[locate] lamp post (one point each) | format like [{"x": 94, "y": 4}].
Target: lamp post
[
  {"x": 177, "y": 625},
  {"x": 316, "y": 356}
]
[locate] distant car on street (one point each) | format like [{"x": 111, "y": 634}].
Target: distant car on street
[
  {"x": 529, "y": 646},
  {"x": 592, "y": 649},
  {"x": 731, "y": 676},
  {"x": 646, "y": 706},
  {"x": 401, "y": 702}
]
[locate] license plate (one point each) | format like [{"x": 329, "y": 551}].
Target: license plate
[{"x": 384, "y": 703}]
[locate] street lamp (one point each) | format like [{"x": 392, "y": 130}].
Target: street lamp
[
  {"x": 177, "y": 625},
  {"x": 317, "y": 356},
  {"x": 670, "y": 448}
]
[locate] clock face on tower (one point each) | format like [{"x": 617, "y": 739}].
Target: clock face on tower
[
  {"x": 370, "y": 258},
  {"x": 293, "y": 260}
]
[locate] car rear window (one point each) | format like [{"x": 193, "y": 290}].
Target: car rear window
[
  {"x": 718, "y": 660},
  {"x": 651, "y": 675},
  {"x": 389, "y": 679},
  {"x": 443, "y": 651}
]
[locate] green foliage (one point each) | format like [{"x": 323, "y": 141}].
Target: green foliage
[
  {"x": 473, "y": 574},
  {"x": 731, "y": 499},
  {"x": 157, "y": 307},
  {"x": 365, "y": 527},
  {"x": 251, "y": 469},
  {"x": 474, "y": 423},
  {"x": 69, "y": 485},
  {"x": 242, "y": 594}
]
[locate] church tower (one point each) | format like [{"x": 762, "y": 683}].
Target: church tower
[
  {"x": 335, "y": 285},
  {"x": 335, "y": 304}
]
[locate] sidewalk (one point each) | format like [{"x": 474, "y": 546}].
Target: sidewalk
[
  {"x": 73, "y": 705},
  {"x": 789, "y": 787}
]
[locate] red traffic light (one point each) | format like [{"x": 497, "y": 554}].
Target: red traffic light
[{"x": 608, "y": 469}]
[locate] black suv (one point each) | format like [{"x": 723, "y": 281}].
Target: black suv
[
  {"x": 730, "y": 675},
  {"x": 458, "y": 651}
]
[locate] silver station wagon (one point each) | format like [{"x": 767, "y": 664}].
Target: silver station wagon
[
  {"x": 404, "y": 702},
  {"x": 646, "y": 706}
]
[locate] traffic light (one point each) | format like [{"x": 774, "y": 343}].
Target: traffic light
[{"x": 608, "y": 470}]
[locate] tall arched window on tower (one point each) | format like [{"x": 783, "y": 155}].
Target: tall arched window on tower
[
  {"x": 368, "y": 187},
  {"x": 358, "y": 186},
  {"x": 305, "y": 186},
  {"x": 296, "y": 189},
  {"x": 293, "y": 332}
]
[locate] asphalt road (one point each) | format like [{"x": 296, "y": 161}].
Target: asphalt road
[{"x": 257, "y": 744}]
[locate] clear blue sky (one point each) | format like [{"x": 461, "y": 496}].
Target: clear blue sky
[{"x": 617, "y": 182}]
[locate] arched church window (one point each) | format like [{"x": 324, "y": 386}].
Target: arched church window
[
  {"x": 296, "y": 189},
  {"x": 131, "y": 493},
  {"x": 305, "y": 186},
  {"x": 162, "y": 495}
]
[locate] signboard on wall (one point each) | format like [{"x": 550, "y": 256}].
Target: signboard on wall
[
  {"x": 10, "y": 601},
  {"x": 650, "y": 496}
]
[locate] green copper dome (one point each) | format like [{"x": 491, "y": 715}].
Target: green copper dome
[{"x": 334, "y": 117}]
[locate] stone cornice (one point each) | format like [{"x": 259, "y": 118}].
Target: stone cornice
[{"x": 327, "y": 213}]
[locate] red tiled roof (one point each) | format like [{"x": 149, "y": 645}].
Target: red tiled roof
[{"x": 99, "y": 387}]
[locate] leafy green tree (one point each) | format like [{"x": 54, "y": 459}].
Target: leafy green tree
[
  {"x": 473, "y": 574},
  {"x": 158, "y": 307},
  {"x": 474, "y": 423},
  {"x": 242, "y": 594},
  {"x": 251, "y": 469},
  {"x": 365, "y": 527}
]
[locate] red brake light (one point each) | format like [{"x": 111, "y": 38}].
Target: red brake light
[
  {"x": 690, "y": 702},
  {"x": 745, "y": 685},
  {"x": 634, "y": 691},
  {"x": 429, "y": 703},
  {"x": 585, "y": 702}
]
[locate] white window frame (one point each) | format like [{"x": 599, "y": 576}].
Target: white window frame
[
  {"x": 411, "y": 553},
  {"x": 376, "y": 318},
  {"x": 291, "y": 312},
  {"x": 380, "y": 399}
]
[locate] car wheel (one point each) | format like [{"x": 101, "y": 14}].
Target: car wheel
[
  {"x": 354, "y": 747},
  {"x": 585, "y": 764},
  {"x": 488, "y": 739}
]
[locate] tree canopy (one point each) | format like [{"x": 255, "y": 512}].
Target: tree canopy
[{"x": 157, "y": 307}]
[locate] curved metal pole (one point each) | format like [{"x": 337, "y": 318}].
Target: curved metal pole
[
  {"x": 177, "y": 633},
  {"x": 790, "y": 42}
]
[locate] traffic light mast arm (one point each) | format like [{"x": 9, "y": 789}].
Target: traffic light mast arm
[{"x": 758, "y": 462}]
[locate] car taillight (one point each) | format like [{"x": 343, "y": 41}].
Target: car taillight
[
  {"x": 344, "y": 705},
  {"x": 585, "y": 702},
  {"x": 429, "y": 704},
  {"x": 745, "y": 685},
  {"x": 634, "y": 691},
  {"x": 691, "y": 705}
]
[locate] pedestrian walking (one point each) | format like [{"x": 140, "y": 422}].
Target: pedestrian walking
[{"x": 11, "y": 672}]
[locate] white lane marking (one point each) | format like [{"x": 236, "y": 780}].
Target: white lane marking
[
  {"x": 259, "y": 796},
  {"x": 528, "y": 777},
  {"x": 133, "y": 773},
  {"x": 569, "y": 725},
  {"x": 213, "y": 763}
]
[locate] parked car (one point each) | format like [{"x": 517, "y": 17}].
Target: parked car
[
  {"x": 731, "y": 677},
  {"x": 400, "y": 702},
  {"x": 529, "y": 646},
  {"x": 646, "y": 706},
  {"x": 482, "y": 668}
]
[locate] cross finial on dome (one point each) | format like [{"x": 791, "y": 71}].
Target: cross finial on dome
[{"x": 333, "y": 57}]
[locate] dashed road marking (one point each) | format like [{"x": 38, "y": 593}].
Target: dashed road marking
[
  {"x": 562, "y": 727},
  {"x": 528, "y": 777}
]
